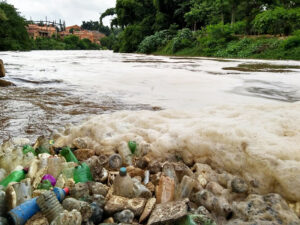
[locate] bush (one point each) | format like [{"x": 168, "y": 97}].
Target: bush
[
  {"x": 291, "y": 42},
  {"x": 239, "y": 27},
  {"x": 153, "y": 42},
  {"x": 277, "y": 21},
  {"x": 183, "y": 39}
]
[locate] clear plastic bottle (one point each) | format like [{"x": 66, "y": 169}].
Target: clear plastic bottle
[
  {"x": 55, "y": 166},
  {"x": 125, "y": 153},
  {"x": 185, "y": 188},
  {"x": 123, "y": 184}
]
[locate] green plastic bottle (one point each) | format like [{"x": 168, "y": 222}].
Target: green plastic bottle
[
  {"x": 68, "y": 154},
  {"x": 15, "y": 176},
  {"x": 132, "y": 146},
  {"x": 45, "y": 185},
  {"x": 82, "y": 173},
  {"x": 27, "y": 149}
]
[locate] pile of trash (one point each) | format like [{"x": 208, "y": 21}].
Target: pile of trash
[{"x": 43, "y": 184}]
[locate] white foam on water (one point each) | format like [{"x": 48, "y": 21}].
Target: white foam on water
[{"x": 257, "y": 142}]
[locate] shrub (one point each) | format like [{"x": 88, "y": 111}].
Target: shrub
[
  {"x": 291, "y": 42},
  {"x": 183, "y": 39},
  {"x": 153, "y": 42},
  {"x": 239, "y": 27}
]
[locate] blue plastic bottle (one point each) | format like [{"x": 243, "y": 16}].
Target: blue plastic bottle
[{"x": 23, "y": 212}]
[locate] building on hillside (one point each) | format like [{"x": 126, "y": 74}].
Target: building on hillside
[
  {"x": 35, "y": 31},
  {"x": 93, "y": 36},
  {"x": 74, "y": 28}
]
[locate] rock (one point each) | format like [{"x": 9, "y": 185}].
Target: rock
[
  {"x": 165, "y": 191},
  {"x": 98, "y": 188},
  {"x": 60, "y": 181},
  {"x": 126, "y": 216},
  {"x": 148, "y": 209},
  {"x": 70, "y": 218},
  {"x": 80, "y": 143},
  {"x": 84, "y": 154},
  {"x": 99, "y": 199},
  {"x": 142, "y": 163},
  {"x": 97, "y": 215},
  {"x": 80, "y": 191},
  {"x": 155, "y": 167},
  {"x": 256, "y": 209},
  {"x": 83, "y": 207},
  {"x": 168, "y": 213},
  {"x": 115, "y": 161},
  {"x": 134, "y": 172},
  {"x": 217, "y": 205},
  {"x": 215, "y": 188},
  {"x": 2, "y": 70},
  {"x": 109, "y": 221},
  {"x": 238, "y": 185},
  {"x": 99, "y": 173},
  {"x": 37, "y": 219},
  {"x": 195, "y": 219},
  {"x": 118, "y": 203},
  {"x": 5, "y": 83},
  {"x": 150, "y": 186}
]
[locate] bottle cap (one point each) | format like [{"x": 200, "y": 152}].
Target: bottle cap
[
  {"x": 123, "y": 171},
  {"x": 26, "y": 170},
  {"x": 67, "y": 190}
]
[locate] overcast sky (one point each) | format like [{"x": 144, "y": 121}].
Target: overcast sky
[{"x": 72, "y": 11}]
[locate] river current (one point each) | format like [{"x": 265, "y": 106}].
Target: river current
[{"x": 239, "y": 115}]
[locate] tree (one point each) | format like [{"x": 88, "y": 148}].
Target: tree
[{"x": 13, "y": 35}]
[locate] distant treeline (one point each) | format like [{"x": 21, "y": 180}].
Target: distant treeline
[
  {"x": 13, "y": 34},
  {"x": 224, "y": 28}
]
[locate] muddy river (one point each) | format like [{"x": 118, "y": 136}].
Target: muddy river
[{"x": 54, "y": 88}]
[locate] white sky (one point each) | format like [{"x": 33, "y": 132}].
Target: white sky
[{"x": 72, "y": 11}]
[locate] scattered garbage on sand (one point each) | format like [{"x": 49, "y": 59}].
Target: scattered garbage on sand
[{"x": 43, "y": 184}]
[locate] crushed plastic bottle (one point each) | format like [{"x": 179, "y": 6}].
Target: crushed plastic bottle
[
  {"x": 185, "y": 188},
  {"x": 123, "y": 184},
  {"x": 166, "y": 190},
  {"x": 27, "y": 149},
  {"x": 45, "y": 185},
  {"x": 15, "y": 176},
  {"x": 69, "y": 155},
  {"x": 82, "y": 173},
  {"x": 49, "y": 205},
  {"x": 125, "y": 153}
]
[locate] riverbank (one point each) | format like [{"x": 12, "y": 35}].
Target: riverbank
[{"x": 242, "y": 48}]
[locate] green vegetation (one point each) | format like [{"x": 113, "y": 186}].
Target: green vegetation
[
  {"x": 13, "y": 35},
  {"x": 218, "y": 28}
]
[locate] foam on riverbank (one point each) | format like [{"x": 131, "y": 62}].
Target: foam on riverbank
[{"x": 260, "y": 143}]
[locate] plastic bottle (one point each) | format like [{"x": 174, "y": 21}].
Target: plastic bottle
[
  {"x": 125, "y": 153},
  {"x": 15, "y": 176},
  {"x": 123, "y": 184},
  {"x": 68, "y": 154},
  {"x": 132, "y": 146},
  {"x": 165, "y": 190},
  {"x": 45, "y": 185},
  {"x": 27, "y": 149},
  {"x": 18, "y": 193},
  {"x": 49, "y": 205},
  {"x": 185, "y": 188},
  {"x": 55, "y": 166},
  {"x": 2, "y": 203},
  {"x": 23, "y": 212},
  {"x": 82, "y": 173}
]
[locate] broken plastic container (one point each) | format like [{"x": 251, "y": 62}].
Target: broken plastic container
[
  {"x": 185, "y": 188},
  {"x": 18, "y": 193},
  {"x": 15, "y": 176},
  {"x": 125, "y": 153},
  {"x": 82, "y": 173},
  {"x": 123, "y": 184},
  {"x": 69, "y": 155},
  {"x": 140, "y": 191},
  {"x": 23, "y": 212}
]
